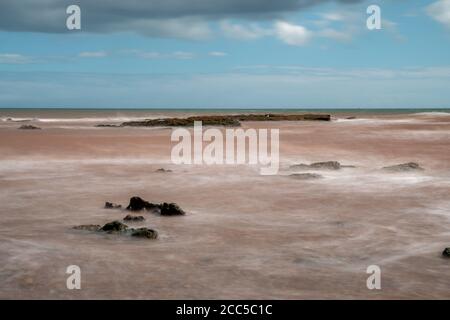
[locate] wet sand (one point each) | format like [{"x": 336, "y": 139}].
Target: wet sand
[{"x": 245, "y": 236}]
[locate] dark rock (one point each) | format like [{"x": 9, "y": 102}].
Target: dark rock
[
  {"x": 115, "y": 226},
  {"x": 163, "y": 170},
  {"x": 110, "y": 205},
  {"x": 29, "y": 127},
  {"x": 144, "y": 233},
  {"x": 133, "y": 218},
  {"x": 120, "y": 228},
  {"x": 350, "y": 118},
  {"x": 306, "y": 176},
  {"x": 137, "y": 204},
  {"x": 171, "y": 209},
  {"x": 225, "y": 120},
  {"x": 88, "y": 227},
  {"x": 108, "y": 126},
  {"x": 329, "y": 165},
  {"x": 446, "y": 253},
  {"x": 404, "y": 167}
]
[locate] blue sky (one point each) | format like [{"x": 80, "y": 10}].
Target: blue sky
[{"x": 312, "y": 56}]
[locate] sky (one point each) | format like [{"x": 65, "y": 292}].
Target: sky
[{"x": 225, "y": 54}]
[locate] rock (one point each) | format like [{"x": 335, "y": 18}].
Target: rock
[
  {"x": 120, "y": 228},
  {"x": 350, "y": 118},
  {"x": 137, "y": 204},
  {"x": 171, "y": 209},
  {"x": 163, "y": 170},
  {"x": 144, "y": 233},
  {"x": 110, "y": 205},
  {"x": 306, "y": 176},
  {"x": 133, "y": 218},
  {"x": 29, "y": 127},
  {"x": 225, "y": 120},
  {"x": 115, "y": 226},
  {"x": 446, "y": 253},
  {"x": 329, "y": 165},
  {"x": 88, "y": 227},
  {"x": 404, "y": 167},
  {"x": 108, "y": 125}
]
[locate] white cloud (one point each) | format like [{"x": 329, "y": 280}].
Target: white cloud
[
  {"x": 179, "y": 55},
  {"x": 244, "y": 32},
  {"x": 217, "y": 54},
  {"x": 92, "y": 54},
  {"x": 291, "y": 34},
  {"x": 440, "y": 11},
  {"x": 333, "y": 16},
  {"x": 180, "y": 28},
  {"x": 14, "y": 58},
  {"x": 182, "y": 55},
  {"x": 335, "y": 34}
]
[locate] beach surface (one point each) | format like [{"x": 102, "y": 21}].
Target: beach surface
[{"x": 244, "y": 235}]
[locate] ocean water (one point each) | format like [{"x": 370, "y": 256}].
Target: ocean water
[{"x": 244, "y": 235}]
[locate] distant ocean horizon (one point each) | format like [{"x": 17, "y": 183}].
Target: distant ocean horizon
[
  {"x": 218, "y": 110},
  {"x": 116, "y": 115}
]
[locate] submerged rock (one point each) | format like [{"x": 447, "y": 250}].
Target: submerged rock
[
  {"x": 446, "y": 253},
  {"x": 144, "y": 233},
  {"x": 108, "y": 125},
  {"x": 88, "y": 227},
  {"x": 171, "y": 209},
  {"x": 137, "y": 204},
  {"x": 110, "y": 205},
  {"x": 118, "y": 227},
  {"x": 329, "y": 165},
  {"x": 306, "y": 176},
  {"x": 29, "y": 127},
  {"x": 133, "y": 218},
  {"x": 115, "y": 226},
  {"x": 404, "y": 167}
]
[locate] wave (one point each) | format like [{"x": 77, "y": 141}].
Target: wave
[
  {"x": 433, "y": 113},
  {"x": 75, "y": 120}
]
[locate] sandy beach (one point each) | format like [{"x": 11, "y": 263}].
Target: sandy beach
[{"x": 244, "y": 235}]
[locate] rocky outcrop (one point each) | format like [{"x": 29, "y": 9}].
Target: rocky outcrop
[
  {"x": 101, "y": 125},
  {"x": 306, "y": 176},
  {"x": 404, "y": 167},
  {"x": 144, "y": 233},
  {"x": 446, "y": 253},
  {"x": 114, "y": 226},
  {"x": 110, "y": 205},
  {"x": 88, "y": 227},
  {"x": 118, "y": 227},
  {"x": 165, "y": 209},
  {"x": 328, "y": 165},
  {"x": 138, "y": 204},
  {"x": 171, "y": 209},
  {"x": 133, "y": 218},
  {"x": 29, "y": 127},
  {"x": 225, "y": 120}
]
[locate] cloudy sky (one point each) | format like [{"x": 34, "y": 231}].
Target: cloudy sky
[{"x": 225, "y": 54}]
